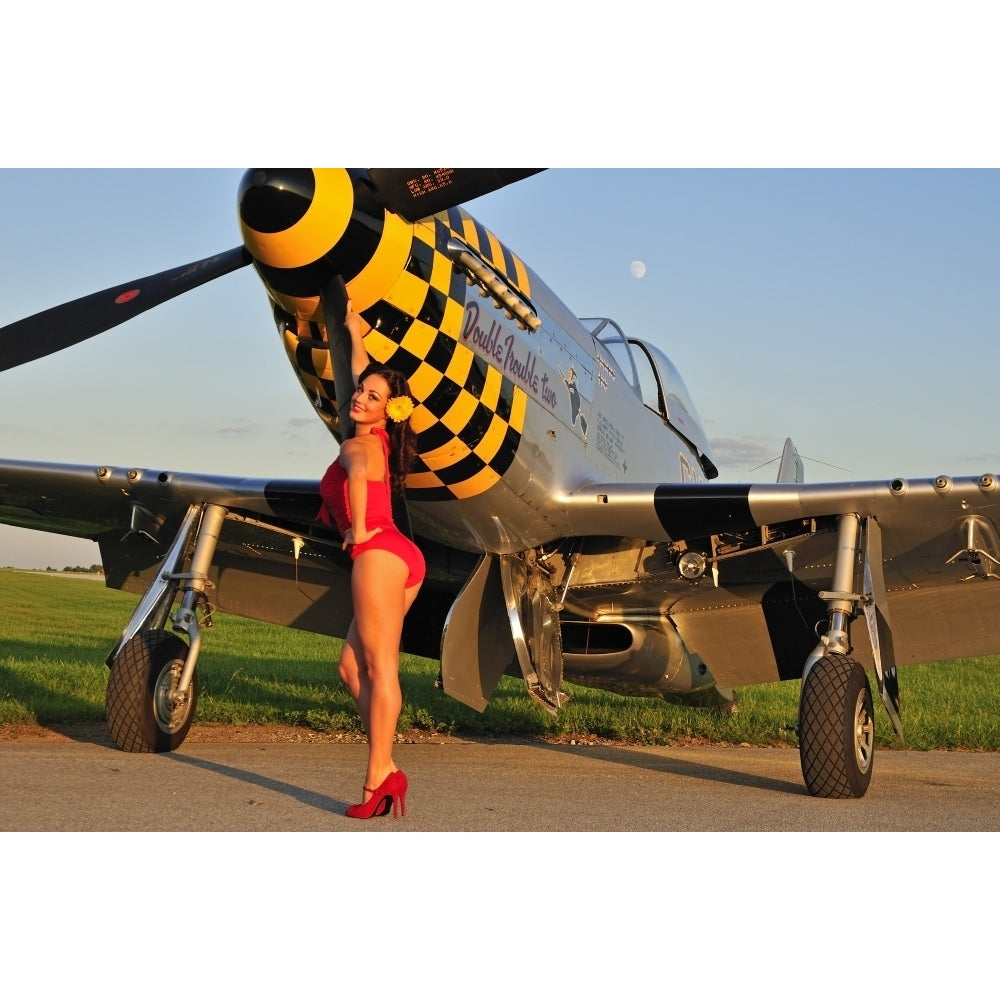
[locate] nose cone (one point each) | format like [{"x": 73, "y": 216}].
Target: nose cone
[
  {"x": 273, "y": 200},
  {"x": 290, "y": 217}
]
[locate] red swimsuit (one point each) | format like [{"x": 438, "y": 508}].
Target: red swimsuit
[{"x": 333, "y": 490}]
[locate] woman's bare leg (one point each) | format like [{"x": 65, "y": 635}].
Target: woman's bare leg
[{"x": 369, "y": 664}]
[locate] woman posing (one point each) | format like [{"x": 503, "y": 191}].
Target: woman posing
[{"x": 388, "y": 568}]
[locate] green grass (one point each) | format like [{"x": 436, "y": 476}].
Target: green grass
[{"x": 56, "y": 632}]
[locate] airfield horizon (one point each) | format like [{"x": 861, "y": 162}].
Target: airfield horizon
[{"x": 266, "y": 683}]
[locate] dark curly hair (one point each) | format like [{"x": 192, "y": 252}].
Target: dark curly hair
[{"x": 402, "y": 440}]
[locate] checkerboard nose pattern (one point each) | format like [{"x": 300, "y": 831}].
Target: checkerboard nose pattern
[{"x": 415, "y": 297}]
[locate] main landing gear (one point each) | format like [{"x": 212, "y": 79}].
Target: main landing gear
[
  {"x": 836, "y": 716},
  {"x": 152, "y": 691}
]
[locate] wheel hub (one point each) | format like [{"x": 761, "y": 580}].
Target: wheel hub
[
  {"x": 169, "y": 707},
  {"x": 864, "y": 734}
]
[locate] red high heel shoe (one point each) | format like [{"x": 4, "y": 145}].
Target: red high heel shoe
[
  {"x": 400, "y": 784},
  {"x": 392, "y": 792}
]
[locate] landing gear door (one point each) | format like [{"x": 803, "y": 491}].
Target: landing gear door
[{"x": 476, "y": 646}]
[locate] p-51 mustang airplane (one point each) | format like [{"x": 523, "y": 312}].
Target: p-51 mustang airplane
[{"x": 563, "y": 496}]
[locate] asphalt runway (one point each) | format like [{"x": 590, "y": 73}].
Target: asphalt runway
[{"x": 471, "y": 786}]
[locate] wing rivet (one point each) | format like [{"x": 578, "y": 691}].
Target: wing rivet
[
  {"x": 942, "y": 484},
  {"x": 103, "y": 473},
  {"x": 897, "y": 487},
  {"x": 134, "y": 475},
  {"x": 988, "y": 482}
]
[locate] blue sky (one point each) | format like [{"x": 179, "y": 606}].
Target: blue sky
[{"x": 853, "y": 310}]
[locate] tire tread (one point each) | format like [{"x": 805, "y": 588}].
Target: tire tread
[{"x": 824, "y": 744}]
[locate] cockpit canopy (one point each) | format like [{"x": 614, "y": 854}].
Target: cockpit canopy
[{"x": 657, "y": 383}]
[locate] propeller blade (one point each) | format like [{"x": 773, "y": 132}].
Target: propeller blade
[
  {"x": 72, "y": 322},
  {"x": 416, "y": 193},
  {"x": 334, "y": 299}
]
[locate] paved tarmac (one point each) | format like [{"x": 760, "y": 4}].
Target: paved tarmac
[{"x": 471, "y": 786}]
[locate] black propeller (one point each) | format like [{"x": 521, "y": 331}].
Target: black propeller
[
  {"x": 410, "y": 193},
  {"x": 416, "y": 193},
  {"x": 334, "y": 299},
  {"x": 72, "y": 322}
]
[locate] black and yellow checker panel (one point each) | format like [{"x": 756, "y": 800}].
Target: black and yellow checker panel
[{"x": 469, "y": 417}]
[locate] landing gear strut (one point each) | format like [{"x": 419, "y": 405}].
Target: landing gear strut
[
  {"x": 836, "y": 717},
  {"x": 152, "y": 690}
]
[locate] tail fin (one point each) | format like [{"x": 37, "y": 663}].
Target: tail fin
[{"x": 790, "y": 470}]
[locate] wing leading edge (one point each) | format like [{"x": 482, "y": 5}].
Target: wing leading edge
[{"x": 671, "y": 512}]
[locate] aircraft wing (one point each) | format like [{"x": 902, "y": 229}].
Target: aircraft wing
[
  {"x": 274, "y": 561},
  {"x": 769, "y": 552}
]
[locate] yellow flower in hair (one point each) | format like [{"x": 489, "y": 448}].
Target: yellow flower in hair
[{"x": 399, "y": 408}]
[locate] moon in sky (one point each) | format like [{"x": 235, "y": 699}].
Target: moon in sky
[{"x": 637, "y": 269}]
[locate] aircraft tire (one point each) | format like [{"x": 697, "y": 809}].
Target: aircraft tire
[
  {"x": 144, "y": 673},
  {"x": 836, "y": 729}
]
